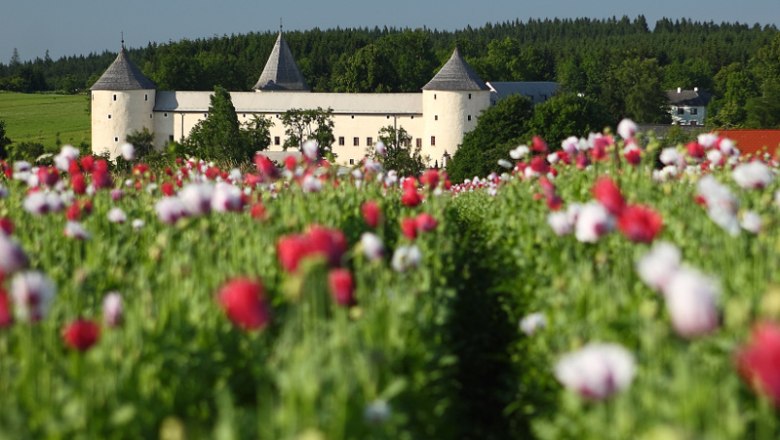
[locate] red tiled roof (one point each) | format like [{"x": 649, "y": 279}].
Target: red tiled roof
[{"x": 751, "y": 141}]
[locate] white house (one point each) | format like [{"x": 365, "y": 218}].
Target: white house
[
  {"x": 124, "y": 101},
  {"x": 688, "y": 107}
]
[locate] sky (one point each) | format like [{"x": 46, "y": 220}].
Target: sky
[{"x": 78, "y": 27}]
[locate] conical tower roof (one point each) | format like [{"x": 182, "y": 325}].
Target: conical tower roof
[
  {"x": 281, "y": 72},
  {"x": 456, "y": 74},
  {"x": 122, "y": 74}
]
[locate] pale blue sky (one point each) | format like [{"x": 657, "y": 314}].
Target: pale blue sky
[{"x": 72, "y": 27}]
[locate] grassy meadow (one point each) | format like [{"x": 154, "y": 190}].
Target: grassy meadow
[{"x": 39, "y": 117}]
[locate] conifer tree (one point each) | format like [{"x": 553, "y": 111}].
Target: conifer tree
[{"x": 218, "y": 137}]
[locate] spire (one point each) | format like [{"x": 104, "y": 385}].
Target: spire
[
  {"x": 456, "y": 74},
  {"x": 281, "y": 72},
  {"x": 122, "y": 74}
]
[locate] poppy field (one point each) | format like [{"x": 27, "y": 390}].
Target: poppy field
[{"x": 604, "y": 288}]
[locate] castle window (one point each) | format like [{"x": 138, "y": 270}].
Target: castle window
[
  {"x": 434, "y": 96},
  {"x": 352, "y": 161},
  {"x": 165, "y": 115},
  {"x": 146, "y": 97},
  {"x": 469, "y": 117},
  {"x": 419, "y": 143},
  {"x": 205, "y": 115},
  {"x": 412, "y": 116},
  {"x": 356, "y": 141},
  {"x": 694, "y": 111},
  {"x": 341, "y": 141},
  {"x": 353, "y": 116},
  {"x": 109, "y": 116},
  {"x": 469, "y": 95},
  {"x": 170, "y": 137},
  {"x": 150, "y": 116},
  {"x": 116, "y": 139},
  {"x": 114, "y": 97},
  {"x": 433, "y": 141},
  {"x": 243, "y": 115},
  {"x": 436, "y": 117},
  {"x": 388, "y": 116},
  {"x": 369, "y": 141},
  {"x": 277, "y": 141}
]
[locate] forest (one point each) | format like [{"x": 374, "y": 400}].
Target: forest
[{"x": 621, "y": 62}]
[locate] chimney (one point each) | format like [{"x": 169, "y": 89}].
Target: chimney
[{"x": 679, "y": 89}]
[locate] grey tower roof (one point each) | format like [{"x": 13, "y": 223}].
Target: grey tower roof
[
  {"x": 280, "y": 72},
  {"x": 456, "y": 74},
  {"x": 122, "y": 74}
]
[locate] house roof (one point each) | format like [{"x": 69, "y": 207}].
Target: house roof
[
  {"x": 752, "y": 141},
  {"x": 456, "y": 74},
  {"x": 691, "y": 98},
  {"x": 122, "y": 74},
  {"x": 281, "y": 73},
  {"x": 253, "y": 102}
]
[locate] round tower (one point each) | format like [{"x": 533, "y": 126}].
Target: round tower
[
  {"x": 122, "y": 102},
  {"x": 452, "y": 102}
]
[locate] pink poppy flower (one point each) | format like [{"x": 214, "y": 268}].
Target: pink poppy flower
[
  {"x": 243, "y": 302},
  {"x": 113, "y": 310},
  {"x": 81, "y": 334},
  {"x": 12, "y": 256},
  {"x": 32, "y": 294},
  {"x": 596, "y": 371},
  {"x": 691, "y": 301}
]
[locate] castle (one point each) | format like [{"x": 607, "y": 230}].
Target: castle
[{"x": 123, "y": 101}]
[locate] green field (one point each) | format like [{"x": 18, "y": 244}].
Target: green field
[{"x": 39, "y": 117}]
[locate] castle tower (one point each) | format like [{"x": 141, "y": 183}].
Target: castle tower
[
  {"x": 122, "y": 102},
  {"x": 281, "y": 73},
  {"x": 452, "y": 101}
]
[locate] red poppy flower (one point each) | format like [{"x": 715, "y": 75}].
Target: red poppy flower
[
  {"x": 608, "y": 194},
  {"x": 87, "y": 163},
  {"x": 430, "y": 178},
  {"x": 372, "y": 214},
  {"x": 266, "y": 167},
  {"x": 633, "y": 156},
  {"x": 538, "y": 145},
  {"x": 48, "y": 176},
  {"x": 639, "y": 223},
  {"x": 167, "y": 188},
  {"x": 757, "y": 362},
  {"x": 73, "y": 213},
  {"x": 425, "y": 222},
  {"x": 342, "y": 288},
  {"x": 6, "y": 317},
  {"x": 81, "y": 334},
  {"x": 244, "y": 304},
  {"x": 6, "y": 226},
  {"x": 695, "y": 150},
  {"x": 411, "y": 198},
  {"x": 258, "y": 211},
  {"x": 409, "y": 228}
]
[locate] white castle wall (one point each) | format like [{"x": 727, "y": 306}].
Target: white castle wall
[
  {"x": 448, "y": 115},
  {"x": 115, "y": 114}
]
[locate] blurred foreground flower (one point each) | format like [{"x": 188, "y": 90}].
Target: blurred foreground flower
[
  {"x": 32, "y": 293},
  {"x": 533, "y": 322},
  {"x": 406, "y": 257},
  {"x": 596, "y": 371},
  {"x": 758, "y": 361},
  {"x": 6, "y": 317},
  {"x": 112, "y": 309},
  {"x": 342, "y": 288},
  {"x": 691, "y": 300},
  {"x": 81, "y": 334},
  {"x": 12, "y": 256},
  {"x": 243, "y": 301}
]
